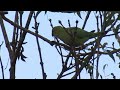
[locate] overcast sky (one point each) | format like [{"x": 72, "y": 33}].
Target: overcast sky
[{"x": 31, "y": 69}]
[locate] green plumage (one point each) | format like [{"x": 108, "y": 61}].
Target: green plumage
[{"x": 72, "y": 36}]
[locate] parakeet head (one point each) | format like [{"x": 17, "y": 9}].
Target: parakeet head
[{"x": 56, "y": 30}]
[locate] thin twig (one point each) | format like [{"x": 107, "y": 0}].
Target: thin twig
[
  {"x": 60, "y": 52},
  {"x": 2, "y": 67},
  {"x": 15, "y": 33},
  {"x": 87, "y": 16},
  {"x": 7, "y": 64},
  {"x": 39, "y": 49},
  {"x": 12, "y": 75},
  {"x": 98, "y": 43},
  {"x": 22, "y": 38},
  {"x": 64, "y": 67},
  {"x": 1, "y": 63}
]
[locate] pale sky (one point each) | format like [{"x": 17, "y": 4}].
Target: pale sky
[{"x": 31, "y": 69}]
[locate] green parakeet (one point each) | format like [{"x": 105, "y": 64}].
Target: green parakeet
[{"x": 72, "y": 36}]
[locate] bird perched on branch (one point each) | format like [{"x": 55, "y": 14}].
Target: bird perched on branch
[{"x": 73, "y": 36}]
